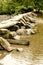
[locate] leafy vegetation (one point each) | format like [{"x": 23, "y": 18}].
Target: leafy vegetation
[{"x": 19, "y": 6}]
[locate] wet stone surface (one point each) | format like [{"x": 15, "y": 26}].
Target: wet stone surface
[{"x": 31, "y": 54}]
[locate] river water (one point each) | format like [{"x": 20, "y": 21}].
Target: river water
[{"x": 31, "y": 55}]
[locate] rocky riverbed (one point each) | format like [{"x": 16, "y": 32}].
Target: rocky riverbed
[{"x": 31, "y": 54}]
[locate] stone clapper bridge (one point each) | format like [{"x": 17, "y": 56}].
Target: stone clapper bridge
[{"x": 13, "y": 29}]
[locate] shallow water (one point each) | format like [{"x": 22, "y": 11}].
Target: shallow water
[
  {"x": 26, "y": 57},
  {"x": 31, "y": 55}
]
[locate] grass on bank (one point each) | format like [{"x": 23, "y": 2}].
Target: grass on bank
[{"x": 19, "y": 6}]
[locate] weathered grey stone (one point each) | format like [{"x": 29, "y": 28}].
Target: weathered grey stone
[
  {"x": 21, "y": 32},
  {"x": 30, "y": 31},
  {"x": 1, "y": 48},
  {"x": 31, "y": 14},
  {"x": 7, "y": 23},
  {"x": 18, "y": 42},
  {"x": 11, "y": 30},
  {"x": 6, "y": 33},
  {"x": 13, "y": 33},
  {"x": 5, "y": 44},
  {"x": 20, "y": 49},
  {"x": 25, "y": 31},
  {"x": 17, "y": 37}
]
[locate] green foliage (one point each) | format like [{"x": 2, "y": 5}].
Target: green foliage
[
  {"x": 38, "y": 4},
  {"x": 19, "y": 6}
]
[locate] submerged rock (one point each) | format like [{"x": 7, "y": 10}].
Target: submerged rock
[{"x": 20, "y": 49}]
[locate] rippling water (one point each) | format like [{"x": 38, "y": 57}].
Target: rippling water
[{"x": 31, "y": 55}]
